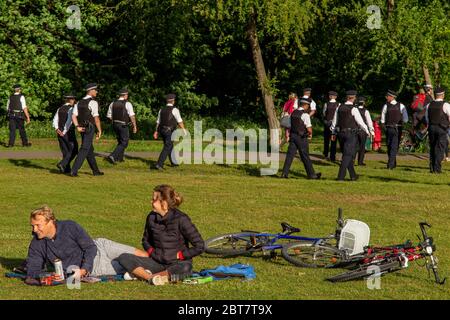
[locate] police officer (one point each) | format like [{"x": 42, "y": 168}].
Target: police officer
[
  {"x": 62, "y": 122},
  {"x": 121, "y": 114},
  {"x": 361, "y": 135},
  {"x": 85, "y": 118},
  {"x": 300, "y": 132},
  {"x": 393, "y": 116},
  {"x": 345, "y": 125},
  {"x": 438, "y": 118},
  {"x": 168, "y": 119},
  {"x": 307, "y": 96},
  {"x": 329, "y": 109},
  {"x": 17, "y": 113}
]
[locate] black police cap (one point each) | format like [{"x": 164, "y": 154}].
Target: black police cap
[
  {"x": 332, "y": 93},
  {"x": 305, "y": 101},
  {"x": 123, "y": 92},
  {"x": 171, "y": 96},
  {"x": 69, "y": 96},
  {"x": 90, "y": 86},
  {"x": 351, "y": 92},
  {"x": 17, "y": 86},
  {"x": 439, "y": 91},
  {"x": 361, "y": 99},
  {"x": 392, "y": 93},
  {"x": 307, "y": 89}
]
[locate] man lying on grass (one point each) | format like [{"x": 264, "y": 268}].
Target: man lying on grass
[{"x": 69, "y": 242}]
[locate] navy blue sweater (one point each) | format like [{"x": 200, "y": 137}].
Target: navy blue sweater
[{"x": 72, "y": 245}]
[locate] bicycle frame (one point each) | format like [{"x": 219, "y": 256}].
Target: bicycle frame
[{"x": 271, "y": 245}]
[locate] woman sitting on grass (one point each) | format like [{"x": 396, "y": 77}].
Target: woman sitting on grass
[{"x": 167, "y": 235}]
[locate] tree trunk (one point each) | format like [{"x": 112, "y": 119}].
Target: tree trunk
[
  {"x": 390, "y": 7},
  {"x": 272, "y": 118}
]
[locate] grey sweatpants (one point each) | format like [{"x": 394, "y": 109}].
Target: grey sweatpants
[{"x": 105, "y": 262}]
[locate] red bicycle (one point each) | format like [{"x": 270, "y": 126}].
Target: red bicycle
[{"x": 378, "y": 261}]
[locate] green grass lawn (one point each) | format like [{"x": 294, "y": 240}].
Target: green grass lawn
[{"x": 222, "y": 199}]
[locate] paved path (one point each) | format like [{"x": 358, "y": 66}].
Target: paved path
[{"x": 154, "y": 155}]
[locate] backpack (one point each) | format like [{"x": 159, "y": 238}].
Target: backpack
[{"x": 418, "y": 102}]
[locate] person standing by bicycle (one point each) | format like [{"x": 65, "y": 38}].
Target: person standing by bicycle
[
  {"x": 437, "y": 116},
  {"x": 393, "y": 116}
]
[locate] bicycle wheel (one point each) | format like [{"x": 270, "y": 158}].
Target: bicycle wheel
[
  {"x": 233, "y": 244},
  {"x": 366, "y": 271},
  {"x": 310, "y": 255}
]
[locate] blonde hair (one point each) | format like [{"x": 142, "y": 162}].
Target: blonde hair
[
  {"x": 45, "y": 212},
  {"x": 292, "y": 95},
  {"x": 168, "y": 194}
]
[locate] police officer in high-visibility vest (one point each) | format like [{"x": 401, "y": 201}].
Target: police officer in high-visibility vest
[
  {"x": 168, "y": 119},
  {"x": 85, "y": 117},
  {"x": 17, "y": 113},
  {"x": 62, "y": 123},
  {"x": 393, "y": 116},
  {"x": 300, "y": 132},
  {"x": 362, "y": 136},
  {"x": 438, "y": 118},
  {"x": 122, "y": 115},
  {"x": 345, "y": 125},
  {"x": 329, "y": 109}
]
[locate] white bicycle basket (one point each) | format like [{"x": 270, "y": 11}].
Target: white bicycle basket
[{"x": 354, "y": 237}]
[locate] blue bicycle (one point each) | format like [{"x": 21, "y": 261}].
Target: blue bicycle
[{"x": 248, "y": 242}]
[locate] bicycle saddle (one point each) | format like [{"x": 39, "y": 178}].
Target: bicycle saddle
[{"x": 288, "y": 229}]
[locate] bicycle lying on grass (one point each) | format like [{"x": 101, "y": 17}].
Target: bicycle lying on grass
[
  {"x": 382, "y": 260},
  {"x": 248, "y": 242}
]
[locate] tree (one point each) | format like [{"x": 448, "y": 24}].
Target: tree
[
  {"x": 40, "y": 52},
  {"x": 284, "y": 22},
  {"x": 415, "y": 38}
]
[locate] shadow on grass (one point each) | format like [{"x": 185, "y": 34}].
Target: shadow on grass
[
  {"x": 11, "y": 263},
  {"x": 28, "y": 164},
  {"x": 389, "y": 179}
]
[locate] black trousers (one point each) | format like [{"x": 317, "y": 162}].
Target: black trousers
[
  {"x": 393, "y": 136},
  {"x": 123, "y": 136},
  {"x": 86, "y": 151},
  {"x": 17, "y": 123},
  {"x": 301, "y": 144},
  {"x": 130, "y": 262},
  {"x": 166, "y": 135},
  {"x": 348, "y": 142},
  {"x": 68, "y": 145},
  {"x": 328, "y": 145},
  {"x": 438, "y": 145},
  {"x": 361, "y": 150}
]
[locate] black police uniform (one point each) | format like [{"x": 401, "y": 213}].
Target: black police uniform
[
  {"x": 121, "y": 121},
  {"x": 299, "y": 141},
  {"x": 347, "y": 127},
  {"x": 86, "y": 120},
  {"x": 68, "y": 143},
  {"x": 393, "y": 126},
  {"x": 16, "y": 118},
  {"x": 437, "y": 131},
  {"x": 167, "y": 124},
  {"x": 362, "y": 137},
  {"x": 328, "y": 145}
]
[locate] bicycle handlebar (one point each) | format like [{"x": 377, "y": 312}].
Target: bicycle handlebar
[{"x": 422, "y": 228}]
